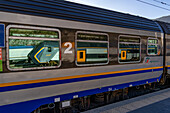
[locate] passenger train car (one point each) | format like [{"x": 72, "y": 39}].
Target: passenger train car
[{"x": 62, "y": 55}]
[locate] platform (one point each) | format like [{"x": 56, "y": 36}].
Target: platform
[{"x": 157, "y": 102}]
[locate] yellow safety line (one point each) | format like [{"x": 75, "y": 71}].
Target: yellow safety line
[{"x": 71, "y": 77}]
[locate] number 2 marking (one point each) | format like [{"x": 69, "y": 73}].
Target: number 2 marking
[{"x": 68, "y": 50}]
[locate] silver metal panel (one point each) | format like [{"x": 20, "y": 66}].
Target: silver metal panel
[
  {"x": 43, "y": 74},
  {"x": 35, "y": 20},
  {"x": 47, "y": 91},
  {"x": 155, "y": 61},
  {"x": 129, "y": 78}
]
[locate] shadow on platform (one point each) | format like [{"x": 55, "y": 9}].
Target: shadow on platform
[{"x": 158, "y": 107}]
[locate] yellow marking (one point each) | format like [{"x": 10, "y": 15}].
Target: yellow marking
[
  {"x": 71, "y": 77},
  {"x": 123, "y": 55},
  {"x": 167, "y": 66},
  {"x": 37, "y": 53},
  {"x": 48, "y": 55},
  {"x": 78, "y": 56}
]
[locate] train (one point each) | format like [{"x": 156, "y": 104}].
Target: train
[{"x": 59, "y": 56}]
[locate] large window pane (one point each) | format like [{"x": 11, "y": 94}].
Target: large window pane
[
  {"x": 20, "y": 32},
  {"x": 94, "y": 52},
  {"x": 24, "y": 53},
  {"x": 92, "y": 49},
  {"x": 129, "y": 49},
  {"x": 152, "y": 46},
  {"x": 84, "y": 36},
  {"x": 33, "y": 47}
]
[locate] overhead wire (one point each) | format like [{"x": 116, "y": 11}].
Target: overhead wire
[
  {"x": 164, "y": 3},
  {"x": 153, "y": 5}
]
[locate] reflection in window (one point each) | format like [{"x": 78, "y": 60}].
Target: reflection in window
[
  {"x": 30, "y": 52},
  {"x": 129, "y": 49},
  {"x": 152, "y": 46},
  {"x": 92, "y": 49},
  {"x": 20, "y": 32}
]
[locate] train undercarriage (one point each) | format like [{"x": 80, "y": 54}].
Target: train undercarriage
[{"x": 93, "y": 101}]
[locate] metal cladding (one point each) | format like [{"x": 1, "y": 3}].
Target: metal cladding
[
  {"x": 165, "y": 26},
  {"x": 168, "y": 27},
  {"x": 61, "y": 9}
]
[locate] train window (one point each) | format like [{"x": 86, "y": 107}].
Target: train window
[
  {"x": 33, "y": 47},
  {"x": 92, "y": 48},
  {"x": 152, "y": 46},
  {"x": 84, "y": 36},
  {"x": 20, "y": 32},
  {"x": 129, "y": 49}
]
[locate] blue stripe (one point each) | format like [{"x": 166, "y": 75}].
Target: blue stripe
[
  {"x": 29, "y": 106},
  {"x": 2, "y": 35},
  {"x": 26, "y": 86}
]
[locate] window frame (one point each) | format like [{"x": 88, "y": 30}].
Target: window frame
[
  {"x": 126, "y": 36},
  {"x": 152, "y": 44},
  {"x": 93, "y": 33},
  {"x": 33, "y": 38}
]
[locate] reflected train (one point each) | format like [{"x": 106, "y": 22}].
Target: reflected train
[{"x": 59, "y": 56}]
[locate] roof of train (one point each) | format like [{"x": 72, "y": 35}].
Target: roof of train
[
  {"x": 61, "y": 9},
  {"x": 168, "y": 28}
]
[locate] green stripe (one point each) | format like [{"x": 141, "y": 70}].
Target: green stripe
[{"x": 1, "y": 69}]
